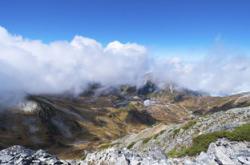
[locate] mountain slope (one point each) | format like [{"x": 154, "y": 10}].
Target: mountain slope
[
  {"x": 138, "y": 148},
  {"x": 66, "y": 125}
]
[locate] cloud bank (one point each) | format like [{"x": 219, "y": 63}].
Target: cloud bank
[{"x": 31, "y": 66}]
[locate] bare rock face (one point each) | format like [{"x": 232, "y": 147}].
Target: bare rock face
[
  {"x": 227, "y": 152},
  {"x": 221, "y": 152},
  {"x": 18, "y": 155},
  {"x": 126, "y": 157}
]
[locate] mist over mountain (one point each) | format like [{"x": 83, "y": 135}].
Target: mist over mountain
[
  {"x": 152, "y": 82},
  {"x": 35, "y": 67}
]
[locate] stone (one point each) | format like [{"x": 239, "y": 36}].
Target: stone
[
  {"x": 126, "y": 157},
  {"x": 5, "y": 158},
  {"x": 244, "y": 160},
  {"x": 222, "y": 158},
  {"x": 19, "y": 155}
]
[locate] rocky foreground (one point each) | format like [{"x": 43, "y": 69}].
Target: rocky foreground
[{"x": 220, "y": 152}]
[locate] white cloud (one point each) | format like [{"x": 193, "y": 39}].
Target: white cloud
[
  {"x": 216, "y": 73},
  {"x": 36, "y": 67},
  {"x": 32, "y": 66}
]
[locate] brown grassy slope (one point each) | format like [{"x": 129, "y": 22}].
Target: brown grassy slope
[{"x": 64, "y": 125}]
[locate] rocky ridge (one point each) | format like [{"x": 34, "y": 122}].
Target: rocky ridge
[
  {"x": 168, "y": 137},
  {"x": 222, "y": 151}
]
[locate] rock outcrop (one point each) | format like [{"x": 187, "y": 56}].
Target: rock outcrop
[
  {"x": 221, "y": 152},
  {"x": 18, "y": 155},
  {"x": 126, "y": 157}
]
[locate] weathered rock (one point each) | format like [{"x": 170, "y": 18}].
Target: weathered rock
[
  {"x": 222, "y": 158},
  {"x": 18, "y": 155},
  {"x": 222, "y": 152},
  {"x": 126, "y": 157}
]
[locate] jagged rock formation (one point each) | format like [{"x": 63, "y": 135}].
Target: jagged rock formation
[
  {"x": 221, "y": 152},
  {"x": 126, "y": 157},
  {"x": 18, "y": 155}
]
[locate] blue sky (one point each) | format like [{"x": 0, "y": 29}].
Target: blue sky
[
  {"x": 161, "y": 24},
  {"x": 193, "y": 43}
]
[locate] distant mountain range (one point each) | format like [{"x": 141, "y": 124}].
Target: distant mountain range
[{"x": 67, "y": 125}]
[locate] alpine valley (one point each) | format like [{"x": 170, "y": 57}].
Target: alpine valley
[{"x": 127, "y": 125}]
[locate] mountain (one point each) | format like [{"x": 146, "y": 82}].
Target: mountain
[
  {"x": 220, "y": 138},
  {"x": 62, "y": 124},
  {"x": 102, "y": 119}
]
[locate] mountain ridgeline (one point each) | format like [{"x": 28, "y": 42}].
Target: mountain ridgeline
[{"x": 111, "y": 117}]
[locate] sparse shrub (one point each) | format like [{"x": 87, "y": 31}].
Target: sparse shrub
[
  {"x": 156, "y": 135},
  {"x": 104, "y": 146},
  {"x": 131, "y": 145},
  {"x": 185, "y": 127},
  {"x": 201, "y": 142},
  {"x": 176, "y": 153},
  {"x": 240, "y": 133},
  {"x": 146, "y": 140},
  {"x": 176, "y": 131},
  {"x": 189, "y": 124}
]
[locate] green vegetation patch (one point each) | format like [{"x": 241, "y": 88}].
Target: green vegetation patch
[
  {"x": 201, "y": 142},
  {"x": 158, "y": 134},
  {"x": 176, "y": 153},
  {"x": 176, "y": 131},
  {"x": 105, "y": 145},
  {"x": 131, "y": 145},
  {"x": 146, "y": 140},
  {"x": 189, "y": 124}
]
